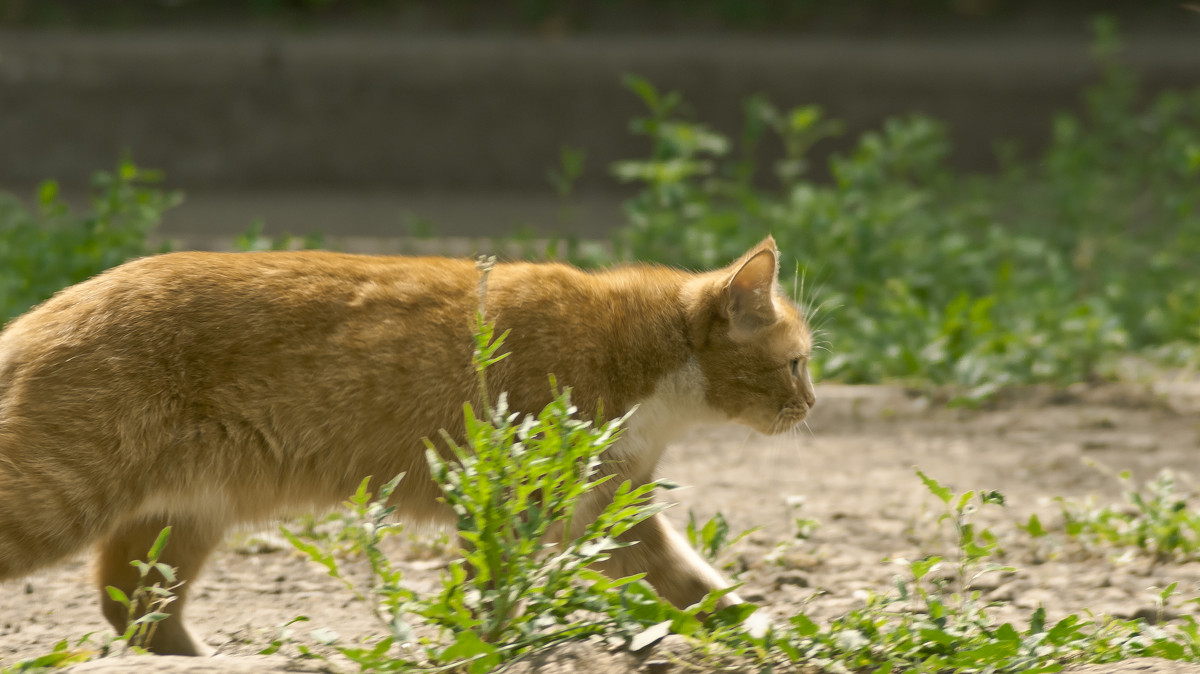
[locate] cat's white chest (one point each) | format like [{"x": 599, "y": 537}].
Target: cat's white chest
[{"x": 676, "y": 404}]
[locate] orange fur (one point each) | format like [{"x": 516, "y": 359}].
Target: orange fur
[{"x": 204, "y": 390}]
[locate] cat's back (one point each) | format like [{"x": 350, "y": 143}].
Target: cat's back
[
  {"x": 186, "y": 320},
  {"x": 164, "y": 283},
  {"x": 183, "y": 326},
  {"x": 206, "y": 292}
]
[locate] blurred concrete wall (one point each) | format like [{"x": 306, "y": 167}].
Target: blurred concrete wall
[{"x": 242, "y": 113}]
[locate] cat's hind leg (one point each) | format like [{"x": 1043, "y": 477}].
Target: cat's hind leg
[
  {"x": 189, "y": 544},
  {"x": 46, "y": 514}
]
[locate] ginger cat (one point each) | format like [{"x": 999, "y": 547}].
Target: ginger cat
[{"x": 204, "y": 390}]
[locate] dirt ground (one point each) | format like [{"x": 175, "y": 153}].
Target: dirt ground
[{"x": 853, "y": 474}]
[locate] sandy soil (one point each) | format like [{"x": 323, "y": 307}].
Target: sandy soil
[{"x": 853, "y": 474}]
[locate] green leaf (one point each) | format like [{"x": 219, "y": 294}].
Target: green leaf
[
  {"x": 686, "y": 625},
  {"x": 935, "y": 488},
  {"x": 921, "y": 567},
  {"x": 48, "y": 193},
  {"x": 1007, "y": 632},
  {"x": 1168, "y": 650},
  {"x": 709, "y": 603},
  {"x": 117, "y": 595},
  {"x": 1037, "y": 622},
  {"x": 803, "y": 625},
  {"x": 1034, "y": 527},
  {"x": 159, "y": 544},
  {"x": 992, "y": 498},
  {"x": 735, "y": 614},
  {"x": 362, "y": 495},
  {"x": 167, "y": 571},
  {"x": 314, "y": 553},
  {"x": 937, "y": 636},
  {"x": 963, "y": 500},
  {"x": 479, "y": 657},
  {"x": 642, "y": 88},
  {"x": 985, "y": 654},
  {"x": 152, "y": 617},
  {"x": 57, "y": 659},
  {"x": 1064, "y": 630}
]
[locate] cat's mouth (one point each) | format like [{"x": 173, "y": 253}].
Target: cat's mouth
[{"x": 787, "y": 419}]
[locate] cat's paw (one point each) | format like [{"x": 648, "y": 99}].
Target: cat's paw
[{"x": 758, "y": 624}]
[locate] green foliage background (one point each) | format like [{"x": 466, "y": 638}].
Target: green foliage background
[
  {"x": 50, "y": 247},
  {"x": 1077, "y": 264},
  {"x": 1052, "y": 271}
]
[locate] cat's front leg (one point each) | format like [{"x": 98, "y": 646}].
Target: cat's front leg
[
  {"x": 191, "y": 541},
  {"x": 672, "y": 567}
]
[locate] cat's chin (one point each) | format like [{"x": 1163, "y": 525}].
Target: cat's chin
[
  {"x": 786, "y": 421},
  {"x": 777, "y": 426}
]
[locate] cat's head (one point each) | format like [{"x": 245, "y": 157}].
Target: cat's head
[{"x": 752, "y": 343}]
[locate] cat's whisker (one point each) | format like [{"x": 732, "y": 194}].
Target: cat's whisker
[
  {"x": 750, "y": 433},
  {"x": 803, "y": 294},
  {"x": 818, "y": 326},
  {"x": 796, "y": 433},
  {"x": 820, "y": 330},
  {"x": 784, "y": 446},
  {"x": 805, "y": 301},
  {"x": 816, "y": 293},
  {"x": 820, "y": 316},
  {"x": 775, "y": 458},
  {"x": 814, "y": 310}
]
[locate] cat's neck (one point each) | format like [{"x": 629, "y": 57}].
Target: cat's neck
[
  {"x": 650, "y": 338},
  {"x": 676, "y": 404},
  {"x": 611, "y": 336}
]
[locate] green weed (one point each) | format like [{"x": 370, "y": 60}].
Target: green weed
[
  {"x": 1050, "y": 271},
  {"x": 146, "y": 608},
  {"x": 367, "y": 524},
  {"x": 254, "y": 240},
  {"x": 927, "y": 626},
  {"x": 523, "y": 579},
  {"x": 62, "y": 655},
  {"x": 712, "y": 538},
  {"x": 1155, "y": 519},
  {"x": 50, "y": 247}
]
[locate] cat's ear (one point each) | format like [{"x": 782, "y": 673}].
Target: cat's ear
[{"x": 749, "y": 294}]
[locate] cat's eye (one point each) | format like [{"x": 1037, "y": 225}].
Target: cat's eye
[{"x": 795, "y": 367}]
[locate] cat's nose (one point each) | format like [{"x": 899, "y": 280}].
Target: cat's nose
[{"x": 811, "y": 399}]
